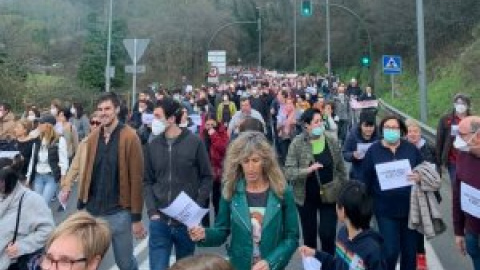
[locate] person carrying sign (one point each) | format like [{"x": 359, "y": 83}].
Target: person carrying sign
[
  {"x": 466, "y": 191},
  {"x": 386, "y": 172}
]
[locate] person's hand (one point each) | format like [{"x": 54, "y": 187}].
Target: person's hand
[
  {"x": 315, "y": 166},
  {"x": 460, "y": 243},
  {"x": 272, "y": 111},
  {"x": 64, "y": 195},
  {"x": 197, "y": 233},
  {"x": 306, "y": 251},
  {"x": 261, "y": 265},
  {"x": 414, "y": 176},
  {"x": 211, "y": 131},
  {"x": 138, "y": 230},
  {"x": 12, "y": 250},
  {"x": 357, "y": 155}
]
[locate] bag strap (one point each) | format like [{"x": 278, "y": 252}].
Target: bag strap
[{"x": 18, "y": 218}]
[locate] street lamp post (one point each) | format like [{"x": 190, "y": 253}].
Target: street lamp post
[
  {"x": 295, "y": 36},
  {"x": 329, "y": 64},
  {"x": 422, "y": 71},
  {"x": 109, "y": 48}
]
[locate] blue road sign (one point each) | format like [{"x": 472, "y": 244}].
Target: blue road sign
[{"x": 392, "y": 64}]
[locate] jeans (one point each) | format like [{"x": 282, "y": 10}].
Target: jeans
[
  {"x": 45, "y": 185},
  {"x": 162, "y": 238},
  {"x": 398, "y": 240},
  {"x": 473, "y": 249},
  {"x": 122, "y": 240}
]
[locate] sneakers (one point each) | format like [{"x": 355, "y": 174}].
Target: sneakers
[{"x": 421, "y": 262}]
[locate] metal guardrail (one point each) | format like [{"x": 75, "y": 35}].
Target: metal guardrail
[{"x": 428, "y": 133}]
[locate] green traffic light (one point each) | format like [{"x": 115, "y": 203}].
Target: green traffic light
[
  {"x": 365, "y": 61},
  {"x": 306, "y": 8}
]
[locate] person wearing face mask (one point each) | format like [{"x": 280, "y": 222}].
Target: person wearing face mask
[
  {"x": 79, "y": 120},
  {"x": 33, "y": 115},
  {"x": 286, "y": 128},
  {"x": 447, "y": 129},
  {"x": 35, "y": 223},
  {"x": 392, "y": 206},
  {"x": 175, "y": 161},
  {"x": 316, "y": 171},
  {"x": 466, "y": 218},
  {"x": 226, "y": 110}
]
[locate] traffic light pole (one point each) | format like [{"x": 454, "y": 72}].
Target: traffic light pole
[
  {"x": 329, "y": 63},
  {"x": 422, "y": 70}
]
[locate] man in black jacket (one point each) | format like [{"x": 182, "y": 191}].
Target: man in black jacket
[{"x": 175, "y": 161}]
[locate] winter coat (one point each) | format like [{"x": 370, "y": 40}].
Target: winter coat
[
  {"x": 445, "y": 139},
  {"x": 7, "y": 126},
  {"x": 280, "y": 231},
  {"x": 425, "y": 215},
  {"x": 300, "y": 157},
  {"x": 231, "y": 107},
  {"x": 354, "y": 138},
  {"x": 36, "y": 222},
  {"x": 218, "y": 150}
]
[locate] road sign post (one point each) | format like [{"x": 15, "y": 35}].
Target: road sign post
[
  {"x": 392, "y": 65},
  {"x": 135, "y": 48}
]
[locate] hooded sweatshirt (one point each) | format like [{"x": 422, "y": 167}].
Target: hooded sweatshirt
[
  {"x": 350, "y": 146},
  {"x": 361, "y": 253}
]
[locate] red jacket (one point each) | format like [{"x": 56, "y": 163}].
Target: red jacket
[{"x": 218, "y": 149}]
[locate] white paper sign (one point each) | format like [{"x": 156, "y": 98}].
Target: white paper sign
[
  {"x": 185, "y": 210},
  {"x": 470, "y": 199},
  {"x": 393, "y": 174},
  {"x": 362, "y": 148},
  {"x": 8, "y": 154},
  {"x": 454, "y": 130},
  {"x": 311, "y": 263}
]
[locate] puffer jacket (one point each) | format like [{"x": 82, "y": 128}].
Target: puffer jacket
[
  {"x": 280, "y": 231},
  {"x": 300, "y": 157}
]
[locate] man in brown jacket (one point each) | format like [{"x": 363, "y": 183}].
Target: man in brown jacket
[
  {"x": 111, "y": 183},
  {"x": 7, "y": 122}
]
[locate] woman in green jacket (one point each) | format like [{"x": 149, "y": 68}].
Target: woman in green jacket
[
  {"x": 314, "y": 166},
  {"x": 257, "y": 208}
]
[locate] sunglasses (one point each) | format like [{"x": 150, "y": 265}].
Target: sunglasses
[{"x": 95, "y": 123}]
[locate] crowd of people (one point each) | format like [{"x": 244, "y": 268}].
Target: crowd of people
[{"x": 269, "y": 154}]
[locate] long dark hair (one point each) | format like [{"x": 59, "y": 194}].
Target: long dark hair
[
  {"x": 10, "y": 172},
  {"x": 79, "y": 108}
]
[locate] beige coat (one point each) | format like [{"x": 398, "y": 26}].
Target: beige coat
[
  {"x": 424, "y": 215},
  {"x": 7, "y": 126},
  {"x": 76, "y": 169}
]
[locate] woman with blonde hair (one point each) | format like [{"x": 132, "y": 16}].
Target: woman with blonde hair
[
  {"x": 80, "y": 242},
  {"x": 49, "y": 161},
  {"x": 255, "y": 194}
]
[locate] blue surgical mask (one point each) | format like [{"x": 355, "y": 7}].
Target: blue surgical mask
[
  {"x": 318, "y": 131},
  {"x": 391, "y": 135}
]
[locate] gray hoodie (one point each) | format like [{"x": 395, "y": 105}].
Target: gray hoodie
[{"x": 36, "y": 222}]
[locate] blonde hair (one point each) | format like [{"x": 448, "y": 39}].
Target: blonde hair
[
  {"x": 202, "y": 262},
  {"x": 412, "y": 123},
  {"x": 92, "y": 233},
  {"x": 26, "y": 124},
  {"x": 49, "y": 135},
  {"x": 245, "y": 145}
]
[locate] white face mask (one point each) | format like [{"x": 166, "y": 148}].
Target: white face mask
[
  {"x": 31, "y": 117},
  {"x": 183, "y": 125},
  {"x": 460, "y": 108},
  {"x": 254, "y": 92},
  {"x": 141, "y": 110},
  {"x": 462, "y": 145},
  {"x": 225, "y": 98},
  {"x": 73, "y": 110},
  {"x": 54, "y": 111},
  {"x": 158, "y": 127}
]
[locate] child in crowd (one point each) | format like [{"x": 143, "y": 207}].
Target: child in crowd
[{"x": 358, "y": 247}]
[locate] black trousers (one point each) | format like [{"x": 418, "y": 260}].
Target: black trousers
[{"x": 311, "y": 228}]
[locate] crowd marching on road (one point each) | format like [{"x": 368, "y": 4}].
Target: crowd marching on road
[{"x": 268, "y": 153}]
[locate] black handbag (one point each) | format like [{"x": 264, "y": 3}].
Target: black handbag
[{"x": 26, "y": 261}]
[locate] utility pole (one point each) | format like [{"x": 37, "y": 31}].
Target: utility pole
[
  {"x": 329, "y": 64},
  {"x": 422, "y": 71},
  {"x": 109, "y": 48},
  {"x": 295, "y": 36},
  {"x": 259, "y": 39}
]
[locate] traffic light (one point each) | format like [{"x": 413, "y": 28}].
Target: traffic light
[
  {"x": 365, "y": 60},
  {"x": 307, "y": 8}
]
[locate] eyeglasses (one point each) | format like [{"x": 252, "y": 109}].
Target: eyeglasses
[
  {"x": 94, "y": 123},
  {"x": 46, "y": 263}
]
